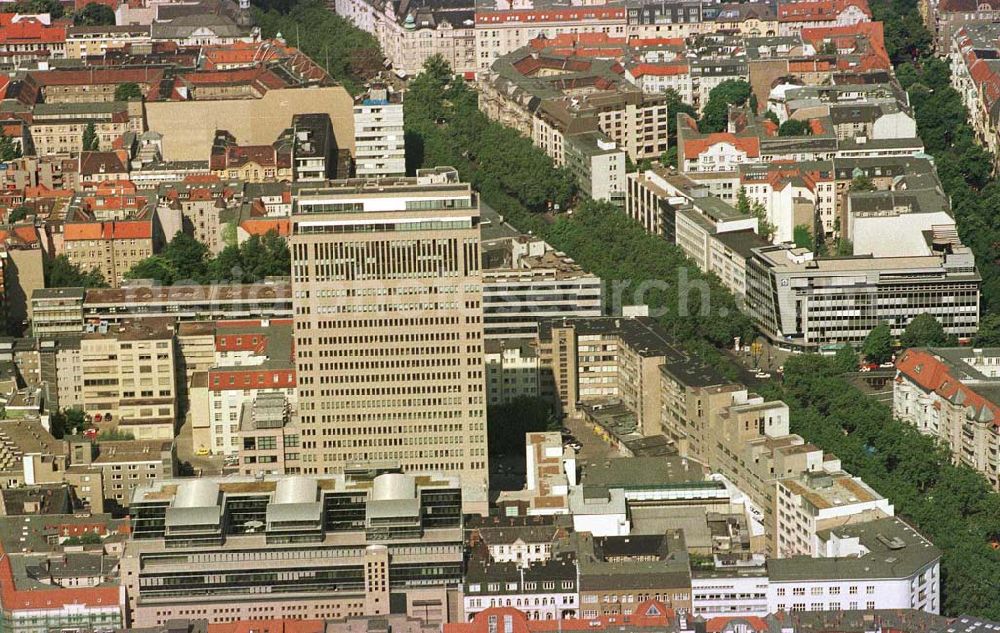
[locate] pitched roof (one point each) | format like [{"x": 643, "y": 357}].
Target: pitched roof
[
  {"x": 694, "y": 147},
  {"x": 932, "y": 374},
  {"x": 818, "y": 10}
]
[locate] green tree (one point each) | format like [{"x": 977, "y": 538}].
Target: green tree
[
  {"x": 877, "y": 347},
  {"x": 128, "y": 90},
  {"x": 743, "y": 204},
  {"x": 923, "y": 331},
  {"x": 62, "y": 273},
  {"x": 351, "y": 56},
  {"x": 9, "y": 150},
  {"x": 91, "y": 142},
  {"x": 53, "y": 7},
  {"x": 18, "y": 214},
  {"x": 157, "y": 268},
  {"x": 87, "y": 538},
  {"x": 862, "y": 183},
  {"x": 715, "y": 115},
  {"x": 772, "y": 117},
  {"x": 803, "y": 237},
  {"x": 846, "y": 359},
  {"x": 794, "y": 127},
  {"x": 989, "y": 331},
  {"x": 187, "y": 257},
  {"x": 95, "y": 14}
]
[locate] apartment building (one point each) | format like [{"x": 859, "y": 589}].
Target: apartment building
[
  {"x": 322, "y": 547},
  {"x": 709, "y": 230},
  {"x": 95, "y": 41},
  {"x": 512, "y": 370},
  {"x": 502, "y": 28},
  {"x": 269, "y": 439},
  {"x": 129, "y": 379},
  {"x": 542, "y": 590},
  {"x": 598, "y": 165},
  {"x": 808, "y": 302},
  {"x": 657, "y": 19},
  {"x": 817, "y": 499},
  {"x": 617, "y": 573},
  {"x": 58, "y": 128},
  {"x": 124, "y": 465},
  {"x": 410, "y": 34},
  {"x": 382, "y": 273},
  {"x": 196, "y": 209},
  {"x": 525, "y": 282},
  {"x": 111, "y": 248},
  {"x": 947, "y": 393},
  {"x": 252, "y": 358},
  {"x": 29, "y": 454},
  {"x": 526, "y": 89},
  {"x": 880, "y": 564},
  {"x": 56, "y": 311},
  {"x": 603, "y": 358},
  {"x": 379, "y": 150},
  {"x": 216, "y": 302},
  {"x": 60, "y": 366}
]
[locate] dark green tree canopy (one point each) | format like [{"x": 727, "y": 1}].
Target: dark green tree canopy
[
  {"x": 128, "y": 90},
  {"x": 877, "y": 347},
  {"x": 715, "y": 114},
  {"x": 923, "y": 331},
  {"x": 91, "y": 142},
  {"x": 95, "y": 14},
  {"x": 186, "y": 260},
  {"x": 53, "y": 7},
  {"x": 794, "y": 127},
  {"x": 61, "y": 273}
]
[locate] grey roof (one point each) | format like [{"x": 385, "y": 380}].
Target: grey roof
[
  {"x": 641, "y": 472},
  {"x": 895, "y": 550},
  {"x": 185, "y": 25},
  {"x": 621, "y": 562}
]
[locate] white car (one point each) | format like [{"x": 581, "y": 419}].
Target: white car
[{"x": 762, "y": 374}]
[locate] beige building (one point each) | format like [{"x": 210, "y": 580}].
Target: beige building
[
  {"x": 318, "y": 548},
  {"x": 111, "y": 248},
  {"x": 94, "y": 41},
  {"x": 29, "y": 454},
  {"x": 58, "y": 128},
  {"x": 512, "y": 370},
  {"x": 606, "y": 358},
  {"x": 389, "y": 327},
  {"x": 269, "y": 441},
  {"x": 819, "y": 498},
  {"x": 124, "y": 465},
  {"x": 129, "y": 378},
  {"x": 57, "y": 311},
  {"x": 501, "y": 30}
]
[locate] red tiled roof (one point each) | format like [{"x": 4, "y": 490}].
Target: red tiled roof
[
  {"x": 717, "y": 625},
  {"x": 659, "y": 70},
  {"x": 696, "y": 146},
  {"x": 649, "y": 614},
  {"x": 122, "y": 230},
  {"x": 83, "y": 231},
  {"x": 261, "y": 226},
  {"x": 818, "y": 10},
  {"x": 541, "y": 16},
  {"x": 39, "y": 599},
  {"x": 29, "y": 30},
  {"x": 931, "y": 374}
]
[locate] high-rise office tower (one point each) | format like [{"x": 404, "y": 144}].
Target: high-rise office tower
[
  {"x": 378, "y": 134},
  {"x": 387, "y": 292}
]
